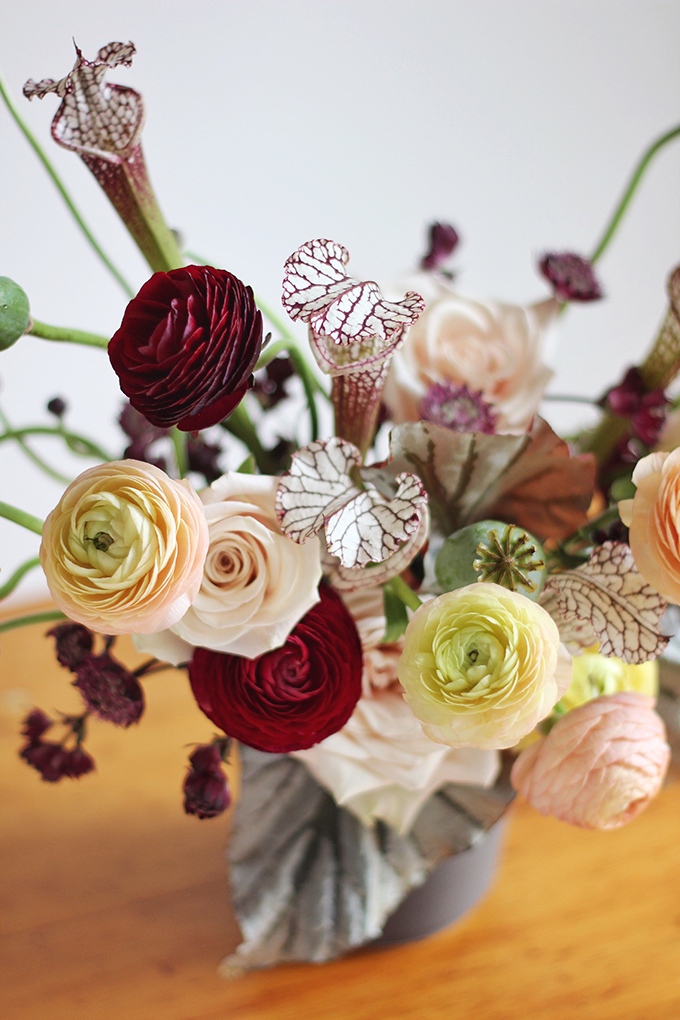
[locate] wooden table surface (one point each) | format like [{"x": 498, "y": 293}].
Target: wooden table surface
[{"x": 114, "y": 903}]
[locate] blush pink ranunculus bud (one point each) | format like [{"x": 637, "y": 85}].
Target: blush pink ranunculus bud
[{"x": 600, "y": 765}]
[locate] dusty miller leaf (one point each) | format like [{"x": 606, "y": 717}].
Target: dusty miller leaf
[
  {"x": 529, "y": 480},
  {"x": 310, "y": 881},
  {"x": 609, "y": 595}
]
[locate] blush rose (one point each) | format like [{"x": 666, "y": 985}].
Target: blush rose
[
  {"x": 293, "y": 696},
  {"x": 492, "y": 348},
  {"x": 124, "y": 548},
  {"x": 256, "y": 584}
]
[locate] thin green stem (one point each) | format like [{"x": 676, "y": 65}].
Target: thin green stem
[
  {"x": 277, "y": 322},
  {"x": 75, "y": 442},
  {"x": 309, "y": 383},
  {"x": 406, "y": 594},
  {"x": 179, "y": 442},
  {"x": 9, "y": 586},
  {"x": 38, "y": 461},
  {"x": 17, "y": 516},
  {"x": 240, "y": 425},
  {"x": 624, "y": 202},
  {"x": 64, "y": 334},
  {"x": 27, "y": 621},
  {"x": 42, "y": 156},
  {"x": 569, "y": 399}
]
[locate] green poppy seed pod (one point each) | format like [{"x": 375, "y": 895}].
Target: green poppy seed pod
[
  {"x": 495, "y": 552},
  {"x": 15, "y": 314}
]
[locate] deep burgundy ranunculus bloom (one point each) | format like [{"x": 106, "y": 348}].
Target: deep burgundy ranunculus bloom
[
  {"x": 293, "y": 696},
  {"x": 187, "y": 346}
]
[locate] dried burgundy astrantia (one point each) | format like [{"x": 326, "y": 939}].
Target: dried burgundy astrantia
[
  {"x": 572, "y": 277},
  {"x": 459, "y": 409},
  {"x": 187, "y": 347},
  {"x": 443, "y": 240},
  {"x": 206, "y": 790},
  {"x": 55, "y": 761},
  {"x": 646, "y": 411},
  {"x": 103, "y": 124},
  {"x": 109, "y": 690},
  {"x": 73, "y": 642},
  {"x": 354, "y": 331}
]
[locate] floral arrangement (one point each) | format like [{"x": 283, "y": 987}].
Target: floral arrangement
[{"x": 428, "y": 593}]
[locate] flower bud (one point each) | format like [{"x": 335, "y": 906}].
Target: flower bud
[
  {"x": 206, "y": 790},
  {"x": 109, "y": 690},
  {"x": 15, "y": 315},
  {"x": 35, "y": 724},
  {"x": 572, "y": 277}
]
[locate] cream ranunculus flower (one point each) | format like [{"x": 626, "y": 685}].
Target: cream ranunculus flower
[
  {"x": 381, "y": 765},
  {"x": 653, "y": 517},
  {"x": 482, "y": 666},
  {"x": 124, "y": 548},
  {"x": 257, "y": 583},
  {"x": 493, "y": 348}
]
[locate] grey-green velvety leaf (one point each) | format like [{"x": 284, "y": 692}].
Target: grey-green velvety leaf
[{"x": 310, "y": 881}]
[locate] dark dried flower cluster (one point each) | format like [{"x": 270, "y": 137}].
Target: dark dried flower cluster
[
  {"x": 270, "y": 382},
  {"x": 206, "y": 790},
  {"x": 572, "y": 277},
  {"x": 53, "y": 760},
  {"x": 443, "y": 240},
  {"x": 109, "y": 690},
  {"x": 646, "y": 411}
]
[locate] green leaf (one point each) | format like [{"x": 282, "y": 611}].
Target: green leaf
[{"x": 396, "y": 617}]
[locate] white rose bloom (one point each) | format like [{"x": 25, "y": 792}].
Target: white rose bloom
[
  {"x": 491, "y": 347},
  {"x": 257, "y": 583},
  {"x": 381, "y": 765}
]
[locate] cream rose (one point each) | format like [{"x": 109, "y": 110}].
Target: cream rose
[
  {"x": 381, "y": 765},
  {"x": 653, "y": 516},
  {"x": 493, "y": 348},
  {"x": 600, "y": 765},
  {"x": 257, "y": 583},
  {"x": 482, "y": 666},
  {"x": 124, "y": 548}
]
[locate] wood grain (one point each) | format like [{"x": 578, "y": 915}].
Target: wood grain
[{"x": 114, "y": 903}]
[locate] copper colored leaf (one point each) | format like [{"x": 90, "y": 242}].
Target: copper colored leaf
[
  {"x": 610, "y": 596},
  {"x": 530, "y": 480}
]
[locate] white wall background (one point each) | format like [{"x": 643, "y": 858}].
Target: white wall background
[{"x": 273, "y": 121}]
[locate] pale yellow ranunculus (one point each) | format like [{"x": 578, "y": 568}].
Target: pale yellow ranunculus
[
  {"x": 123, "y": 550},
  {"x": 482, "y": 666},
  {"x": 595, "y": 675}
]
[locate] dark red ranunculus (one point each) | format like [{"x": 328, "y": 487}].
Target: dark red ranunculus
[
  {"x": 293, "y": 696},
  {"x": 187, "y": 346}
]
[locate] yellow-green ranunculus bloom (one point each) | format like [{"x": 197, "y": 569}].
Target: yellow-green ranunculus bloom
[{"x": 482, "y": 666}]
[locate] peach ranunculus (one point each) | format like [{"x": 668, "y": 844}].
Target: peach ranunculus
[
  {"x": 653, "y": 517},
  {"x": 257, "y": 583},
  {"x": 124, "y": 548},
  {"x": 600, "y": 765},
  {"x": 482, "y": 666},
  {"x": 381, "y": 765},
  {"x": 492, "y": 348}
]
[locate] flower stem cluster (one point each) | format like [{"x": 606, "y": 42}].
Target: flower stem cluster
[{"x": 54, "y": 760}]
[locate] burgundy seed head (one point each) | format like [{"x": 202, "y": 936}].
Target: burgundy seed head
[
  {"x": 73, "y": 643},
  {"x": 572, "y": 277},
  {"x": 110, "y": 690}
]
